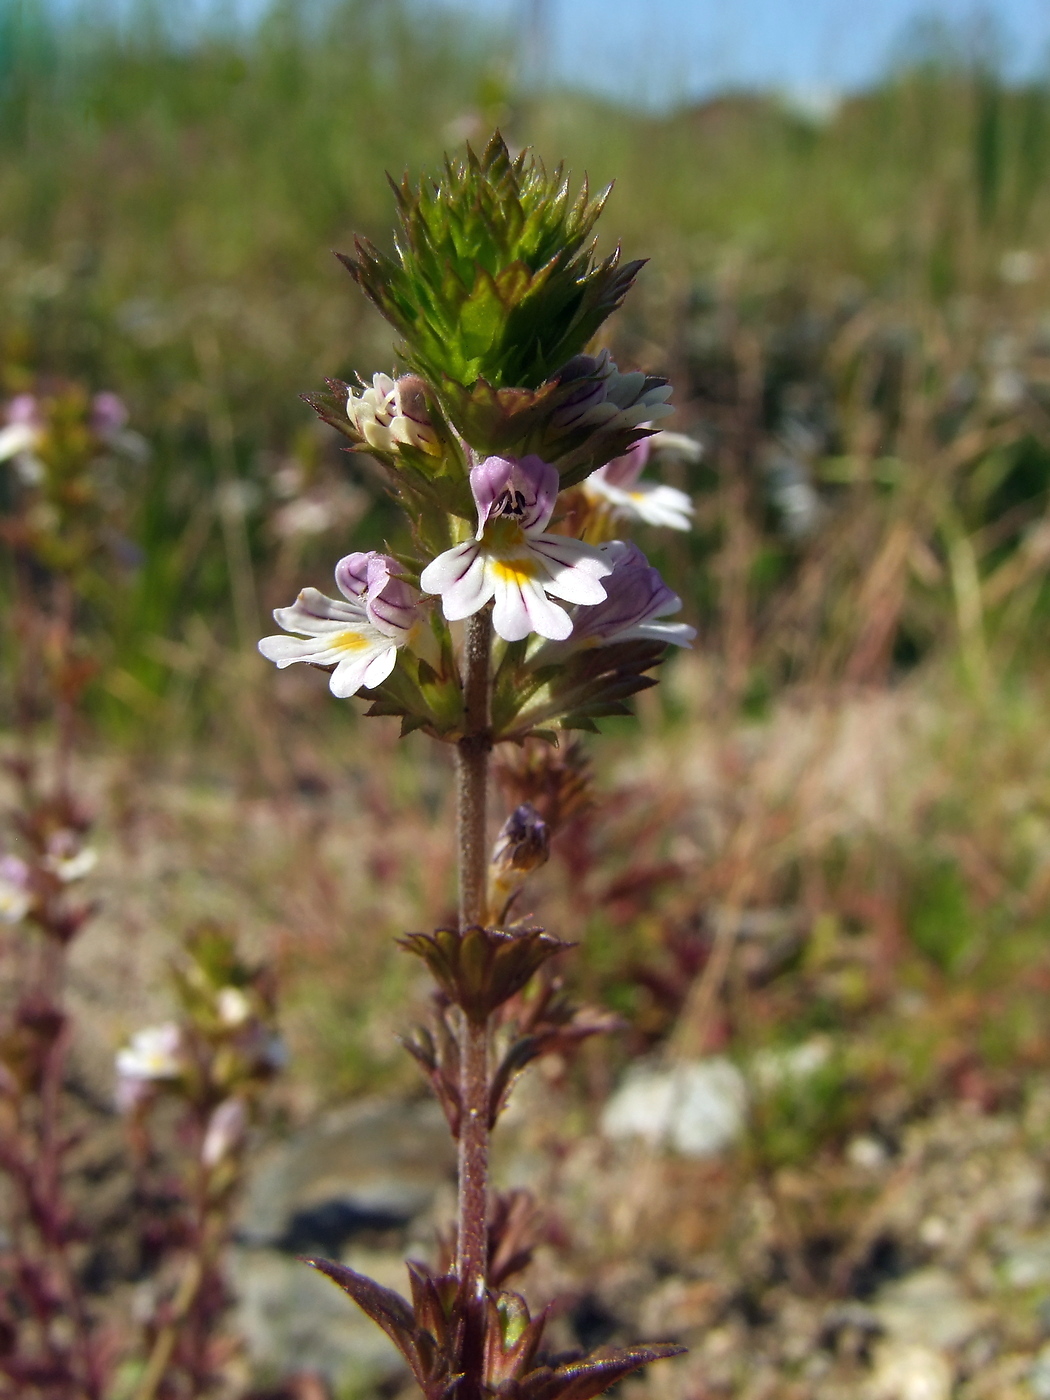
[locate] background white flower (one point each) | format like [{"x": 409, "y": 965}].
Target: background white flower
[{"x": 615, "y": 490}]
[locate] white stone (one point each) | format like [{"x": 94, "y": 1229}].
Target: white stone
[
  {"x": 697, "y": 1107},
  {"x": 773, "y": 1069},
  {"x": 866, "y": 1152}
]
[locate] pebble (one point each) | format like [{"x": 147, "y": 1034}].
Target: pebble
[{"x": 908, "y": 1371}]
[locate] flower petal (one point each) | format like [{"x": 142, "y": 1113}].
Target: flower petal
[
  {"x": 523, "y": 489},
  {"x": 349, "y": 647},
  {"x": 573, "y": 568},
  {"x": 522, "y": 606},
  {"x": 461, "y": 577},
  {"x": 380, "y": 667},
  {"x": 676, "y": 634},
  {"x": 657, "y": 504},
  {"x": 354, "y": 667},
  {"x": 314, "y": 614},
  {"x": 17, "y": 437},
  {"x": 284, "y": 650}
]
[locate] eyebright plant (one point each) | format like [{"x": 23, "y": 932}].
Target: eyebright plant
[
  {"x": 61, "y": 1338},
  {"x": 517, "y": 455},
  {"x": 60, "y": 462},
  {"x": 209, "y": 1069}
]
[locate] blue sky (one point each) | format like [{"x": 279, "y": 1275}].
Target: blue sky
[{"x": 662, "y": 51}]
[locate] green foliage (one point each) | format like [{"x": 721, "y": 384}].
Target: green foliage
[
  {"x": 941, "y": 919},
  {"x": 794, "y": 1119}
]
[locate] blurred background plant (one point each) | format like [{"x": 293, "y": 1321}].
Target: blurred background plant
[{"x": 827, "y": 838}]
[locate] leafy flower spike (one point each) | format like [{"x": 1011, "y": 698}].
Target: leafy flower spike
[
  {"x": 360, "y": 636},
  {"x": 636, "y": 598},
  {"x": 615, "y": 490},
  {"x": 511, "y": 560}
]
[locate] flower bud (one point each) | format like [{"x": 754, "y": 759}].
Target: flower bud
[
  {"x": 392, "y": 412},
  {"x": 225, "y": 1131},
  {"x": 521, "y": 847}
]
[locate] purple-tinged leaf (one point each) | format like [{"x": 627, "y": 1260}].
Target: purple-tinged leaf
[
  {"x": 387, "y": 1309},
  {"x": 592, "y": 1375}
]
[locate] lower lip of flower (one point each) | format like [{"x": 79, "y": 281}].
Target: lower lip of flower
[
  {"x": 517, "y": 570},
  {"x": 348, "y": 641}
]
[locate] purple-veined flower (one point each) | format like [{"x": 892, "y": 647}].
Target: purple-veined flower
[
  {"x": 393, "y": 411},
  {"x": 511, "y": 560},
  {"x": 225, "y": 1131},
  {"x": 360, "y": 633},
  {"x": 16, "y": 895},
  {"x": 522, "y": 845},
  {"x": 606, "y": 398},
  {"x": 616, "y": 493},
  {"x": 636, "y": 601}
]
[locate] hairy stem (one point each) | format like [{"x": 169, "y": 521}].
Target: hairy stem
[
  {"x": 473, "y": 760},
  {"x": 473, "y": 767}
]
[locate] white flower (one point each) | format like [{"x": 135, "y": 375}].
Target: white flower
[
  {"x": 154, "y": 1053},
  {"x": 73, "y": 866},
  {"x": 511, "y": 560},
  {"x": 616, "y": 491},
  {"x": 358, "y": 634},
  {"x": 393, "y": 411},
  {"x": 21, "y": 436},
  {"x": 233, "y": 1006},
  {"x": 16, "y": 438}
]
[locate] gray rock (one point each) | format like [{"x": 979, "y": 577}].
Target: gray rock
[
  {"x": 928, "y": 1307},
  {"x": 1027, "y": 1263},
  {"x": 290, "y": 1316},
  {"x": 377, "y": 1163},
  {"x": 350, "y": 1187}
]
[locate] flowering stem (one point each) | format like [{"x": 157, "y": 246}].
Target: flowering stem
[
  {"x": 473, "y": 763},
  {"x": 472, "y": 1235}
]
